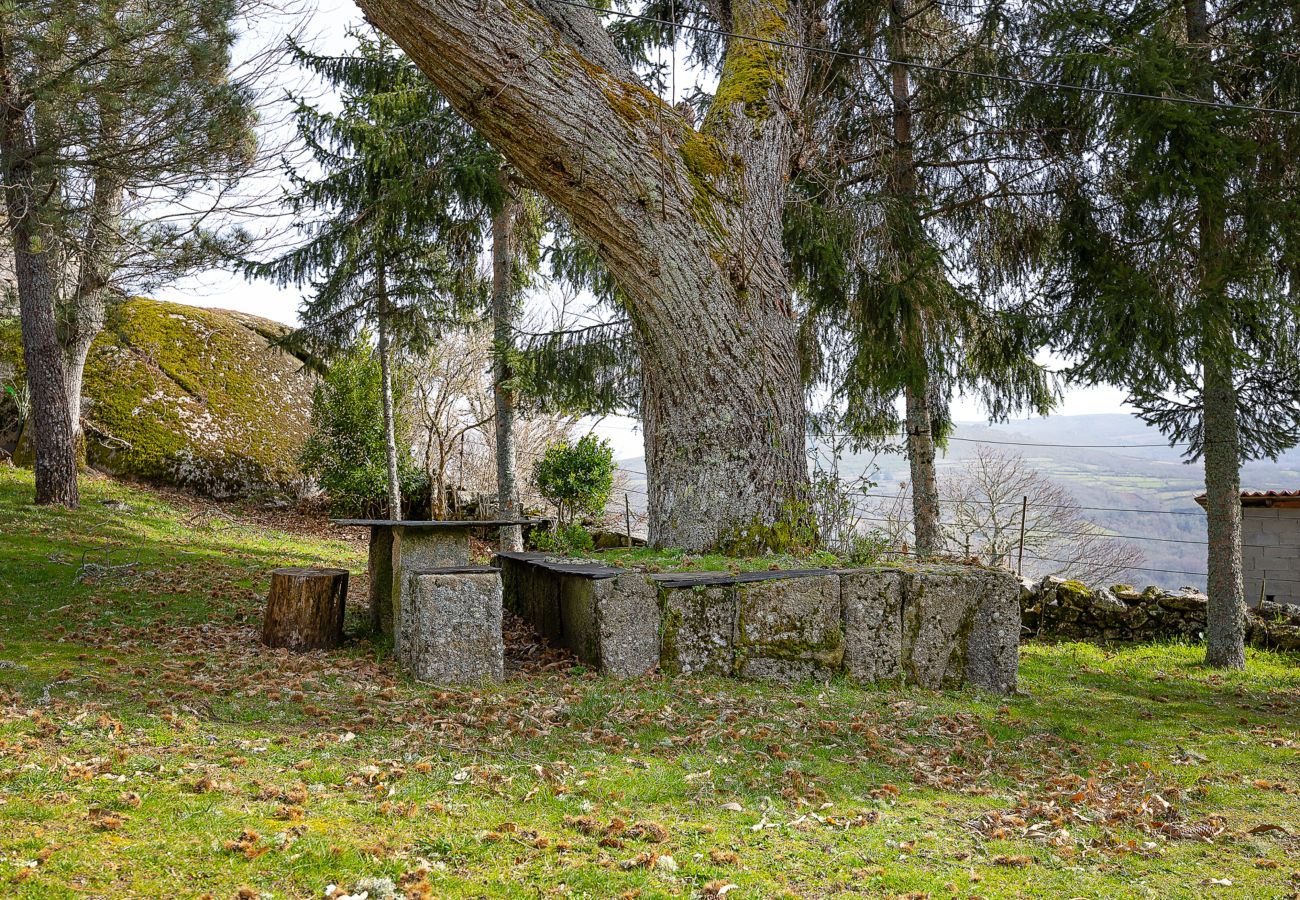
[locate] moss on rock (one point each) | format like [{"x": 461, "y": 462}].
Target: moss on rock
[{"x": 196, "y": 398}]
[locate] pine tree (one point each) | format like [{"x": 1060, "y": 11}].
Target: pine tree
[
  {"x": 106, "y": 107},
  {"x": 400, "y": 203},
  {"x": 1175, "y": 272},
  {"x": 905, "y": 230}
]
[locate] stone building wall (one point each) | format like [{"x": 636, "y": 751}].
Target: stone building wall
[{"x": 1270, "y": 553}]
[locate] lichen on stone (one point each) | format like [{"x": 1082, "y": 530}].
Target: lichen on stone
[{"x": 195, "y": 398}]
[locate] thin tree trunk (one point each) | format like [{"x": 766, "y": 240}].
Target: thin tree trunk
[
  {"x": 918, "y": 418},
  {"x": 386, "y": 389},
  {"x": 35, "y": 271},
  {"x": 505, "y": 309},
  {"x": 925, "y": 486},
  {"x": 687, "y": 221},
  {"x": 1225, "y": 632},
  {"x": 88, "y": 311}
]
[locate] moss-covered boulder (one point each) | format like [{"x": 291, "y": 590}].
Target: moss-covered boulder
[{"x": 196, "y": 398}]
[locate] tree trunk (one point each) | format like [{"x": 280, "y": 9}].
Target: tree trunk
[
  {"x": 305, "y": 609},
  {"x": 390, "y": 418},
  {"x": 505, "y": 310},
  {"x": 88, "y": 311},
  {"x": 1225, "y": 633},
  {"x": 688, "y": 222},
  {"x": 35, "y": 271},
  {"x": 919, "y": 422},
  {"x": 925, "y": 486}
]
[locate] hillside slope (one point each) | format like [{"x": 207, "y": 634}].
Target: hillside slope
[{"x": 196, "y": 398}]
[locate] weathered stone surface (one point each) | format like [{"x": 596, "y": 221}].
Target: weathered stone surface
[
  {"x": 789, "y": 629},
  {"x": 1068, "y": 610},
  {"x": 607, "y": 616},
  {"x": 451, "y": 625},
  {"x": 872, "y": 602},
  {"x": 699, "y": 625},
  {"x": 934, "y": 626},
  {"x": 414, "y": 550},
  {"x": 379, "y": 566},
  {"x": 993, "y": 648},
  {"x": 201, "y": 399},
  {"x": 627, "y": 625},
  {"x": 938, "y": 611}
]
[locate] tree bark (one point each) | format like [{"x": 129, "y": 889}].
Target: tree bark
[
  {"x": 688, "y": 222},
  {"x": 35, "y": 271},
  {"x": 390, "y": 417},
  {"x": 918, "y": 422},
  {"x": 1225, "y": 632},
  {"x": 86, "y": 315},
  {"x": 305, "y": 609},
  {"x": 505, "y": 310},
  {"x": 925, "y": 485}
]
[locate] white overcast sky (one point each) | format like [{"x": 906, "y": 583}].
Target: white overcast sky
[{"x": 325, "y": 27}]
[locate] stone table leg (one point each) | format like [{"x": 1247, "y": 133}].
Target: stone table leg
[
  {"x": 422, "y": 548},
  {"x": 452, "y": 626},
  {"x": 381, "y": 578}
]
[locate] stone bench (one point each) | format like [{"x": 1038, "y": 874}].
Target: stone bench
[
  {"x": 450, "y": 625},
  {"x": 609, "y": 617},
  {"x": 934, "y": 626}
]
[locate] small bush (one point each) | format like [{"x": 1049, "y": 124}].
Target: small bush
[
  {"x": 346, "y": 449},
  {"x": 567, "y": 539},
  {"x": 577, "y": 478}
]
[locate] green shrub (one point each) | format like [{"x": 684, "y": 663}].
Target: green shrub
[
  {"x": 345, "y": 452},
  {"x": 566, "y": 539},
  {"x": 576, "y": 478}
]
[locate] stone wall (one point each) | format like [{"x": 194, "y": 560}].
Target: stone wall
[
  {"x": 1068, "y": 610},
  {"x": 933, "y": 626}
]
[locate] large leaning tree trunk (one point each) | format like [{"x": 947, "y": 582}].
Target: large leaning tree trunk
[
  {"x": 505, "y": 309},
  {"x": 687, "y": 221}
]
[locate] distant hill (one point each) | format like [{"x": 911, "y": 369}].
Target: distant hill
[
  {"x": 1125, "y": 473},
  {"x": 196, "y": 398}
]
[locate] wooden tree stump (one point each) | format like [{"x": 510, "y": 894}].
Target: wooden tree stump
[{"x": 304, "y": 610}]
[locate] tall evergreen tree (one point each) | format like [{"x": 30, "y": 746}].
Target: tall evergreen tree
[
  {"x": 907, "y": 228},
  {"x": 1175, "y": 272},
  {"x": 397, "y": 213},
  {"x": 106, "y": 107}
]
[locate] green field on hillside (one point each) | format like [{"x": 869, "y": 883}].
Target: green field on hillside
[{"x": 150, "y": 747}]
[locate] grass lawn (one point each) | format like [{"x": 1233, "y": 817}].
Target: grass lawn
[{"x": 150, "y": 747}]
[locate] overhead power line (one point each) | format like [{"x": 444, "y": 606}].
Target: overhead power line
[
  {"x": 967, "y": 440},
  {"x": 931, "y": 67},
  {"x": 1030, "y": 555},
  {"x": 1013, "y": 503}
]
